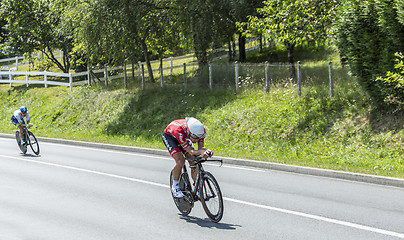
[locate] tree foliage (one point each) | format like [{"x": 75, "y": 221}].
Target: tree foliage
[
  {"x": 115, "y": 32},
  {"x": 205, "y": 22},
  {"x": 35, "y": 26},
  {"x": 293, "y": 22},
  {"x": 394, "y": 83},
  {"x": 368, "y": 35}
]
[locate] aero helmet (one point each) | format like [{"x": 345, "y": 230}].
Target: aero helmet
[
  {"x": 23, "y": 109},
  {"x": 195, "y": 127}
]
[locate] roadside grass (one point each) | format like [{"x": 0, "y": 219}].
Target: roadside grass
[
  {"x": 332, "y": 133},
  {"x": 342, "y": 133}
]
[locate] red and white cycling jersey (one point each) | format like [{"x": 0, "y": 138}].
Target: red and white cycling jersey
[{"x": 178, "y": 130}]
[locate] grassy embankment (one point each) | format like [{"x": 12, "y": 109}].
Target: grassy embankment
[{"x": 342, "y": 133}]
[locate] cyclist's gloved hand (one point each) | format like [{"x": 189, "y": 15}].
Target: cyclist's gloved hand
[
  {"x": 29, "y": 125},
  {"x": 207, "y": 153}
]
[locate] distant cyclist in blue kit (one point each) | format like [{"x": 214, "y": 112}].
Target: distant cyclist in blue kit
[{"x": 18, "y": 120}]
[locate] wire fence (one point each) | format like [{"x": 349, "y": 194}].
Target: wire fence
[
  {"x": 241, "y": 76},
  {"x": 192, "y": 77}
]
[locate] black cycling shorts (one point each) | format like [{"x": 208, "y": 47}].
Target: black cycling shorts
[{"x": 172, "y": 144}]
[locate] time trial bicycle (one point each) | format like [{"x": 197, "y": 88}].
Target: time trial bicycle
[
  {"x": 205, "y": 185},
  {"x": 29, "y": 139}
]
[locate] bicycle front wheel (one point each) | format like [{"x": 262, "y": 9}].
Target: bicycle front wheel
[
  {"x": 212, "y": 200},
  {"x": 33, "y": 142}
]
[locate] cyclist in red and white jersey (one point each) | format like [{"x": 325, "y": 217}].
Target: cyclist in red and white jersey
[{"x": 179, "y": 137}]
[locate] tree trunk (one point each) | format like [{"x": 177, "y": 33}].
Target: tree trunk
[
  {"x": 241, "y": 47},
  {"x": 291, "y": 59},
  {"x": 200, "y": 52},
  {"x": 200, "y": 44},
  {"x": 201, "y": 56},
  {"x": 230, "y": 53},
  {"x": 148, "y": 64},
  {"x": 52, "y": 57}
]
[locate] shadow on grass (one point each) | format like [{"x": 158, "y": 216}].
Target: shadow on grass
[{"x": 149, "y": 112}]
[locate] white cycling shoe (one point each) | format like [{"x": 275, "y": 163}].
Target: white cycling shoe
[{"x": 177, "y": 191}]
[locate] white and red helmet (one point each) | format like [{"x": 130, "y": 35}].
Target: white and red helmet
[{"x": 195, "y": 128}]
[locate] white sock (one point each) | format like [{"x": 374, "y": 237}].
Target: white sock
[{"x": 176, "y": 182}]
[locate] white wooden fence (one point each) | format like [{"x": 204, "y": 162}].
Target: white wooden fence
[
  {"x": 36, "y": 77},
  {"x": 10, "y": 75},
  {"x": 103, "y": 75}
]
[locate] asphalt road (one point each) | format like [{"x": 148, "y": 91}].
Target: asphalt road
[{"x": 73, "y": 192}]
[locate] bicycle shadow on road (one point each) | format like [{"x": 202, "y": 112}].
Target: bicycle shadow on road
[
  {"x": 29, "y": 155},
  {"x": 208, "y": 224}
]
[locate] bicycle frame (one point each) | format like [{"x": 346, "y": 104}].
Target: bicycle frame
[{"x": 198, "y": 163}]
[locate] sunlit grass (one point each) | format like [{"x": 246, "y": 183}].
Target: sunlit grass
[{"x": 341, "y": 132}]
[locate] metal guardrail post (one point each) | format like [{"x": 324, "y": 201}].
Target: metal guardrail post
[
  {"x": 171, "y": 65},
  {"x": 10, "y": 79},
  {"x": 185, "y": 78},
  {"x": 124, "y": 76},
  {"x": 161, "y": 74},
  {"x": 143, "y": 83},
  {"x": 266, "y": 78},
  {"x": 299, "y": 82},
  {"x": 210, "y": 77},
  {"x": 330, "y": 76},
  {"x": 88, "y": 75},
  {"x": 70, "y": 81},
  {"x": 236, "y": 76},
  {"x": 45, "y": 79},
  {"x": 26, "y": 78},
  {"x": 133, "y": 71},
  {"x": 106, "y": 75}
]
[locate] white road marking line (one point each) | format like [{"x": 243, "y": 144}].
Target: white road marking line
[
  {"x": 87, "y": 171},
  {"x": 325, "y": 219},
  {"x": 154, "y": 156},
  {"x": 245, "y": 168},
  {"x": 315, "y": 217}
]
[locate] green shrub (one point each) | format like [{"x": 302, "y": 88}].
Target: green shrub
[{"x": 394, "y": 84}]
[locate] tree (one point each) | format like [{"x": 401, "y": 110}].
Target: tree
[
  {"x": 114, "y": 32},
  {"x": 241, "y": 9},
  {"x": 294, "y": 22},
  {"x": 368, "y": 35},
  {"x": 34, "y": 26},
  {"x": 206, "y": 22}
]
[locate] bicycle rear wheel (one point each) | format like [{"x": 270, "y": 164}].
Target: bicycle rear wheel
[
  {"x": 33, "y": 142},
  {"x": 186, "y": 203},
  {"x": 23, "y": 148},
  {"x": 212, "y": 200},
  {"x": 17, "y": 137}
]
